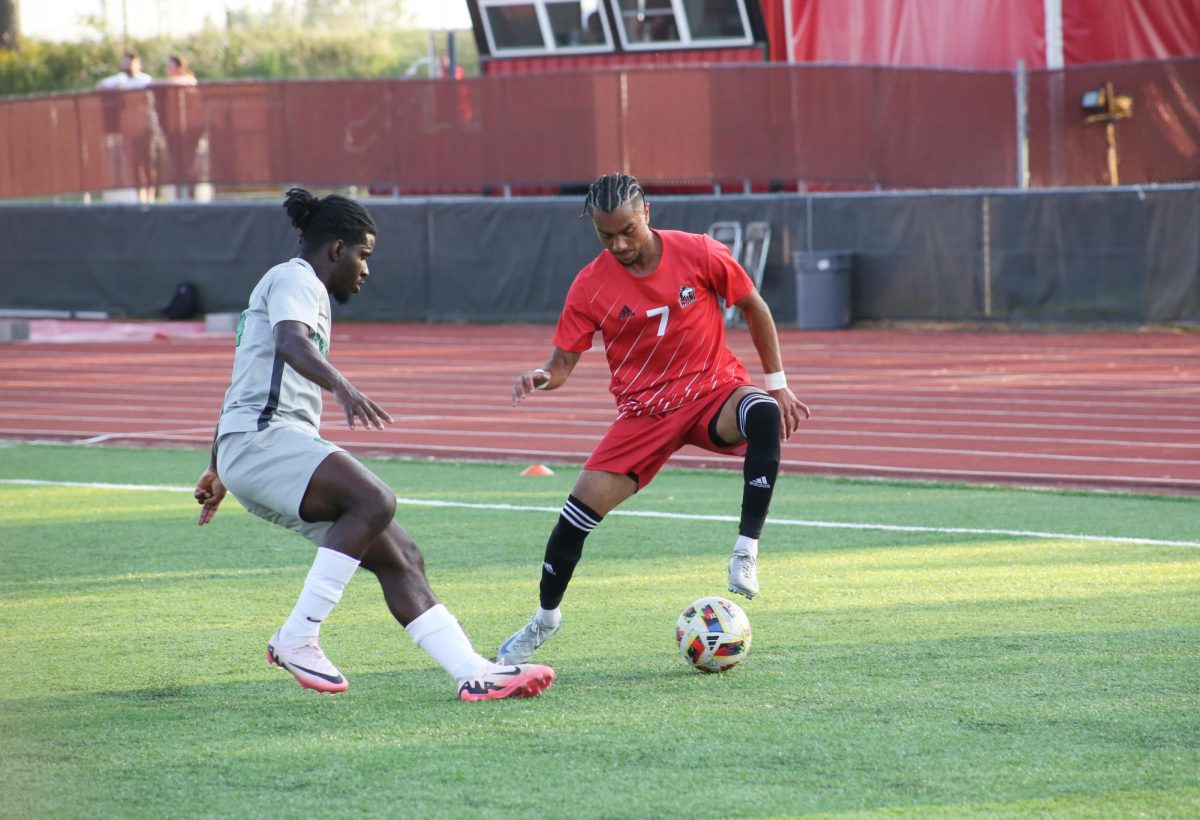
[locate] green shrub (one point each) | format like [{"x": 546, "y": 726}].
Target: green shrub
[{"x": 259, "y": 48}]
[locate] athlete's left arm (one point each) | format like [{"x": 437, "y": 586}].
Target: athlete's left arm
[
  {"x": 210, "y": 490},
  {"x": 766, "y": 342}
]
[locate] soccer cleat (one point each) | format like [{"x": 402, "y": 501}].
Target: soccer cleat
[
  {"x": 743, "y": 574},
  {"x": 309, "y": 664},
  {"x": 525, "y": 641},
  {"x": 522, "y": 681}
]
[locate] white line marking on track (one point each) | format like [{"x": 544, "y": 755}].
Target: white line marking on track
[
  {"x": 784, "y": 522},
  {"x": 143, "y": 434}
]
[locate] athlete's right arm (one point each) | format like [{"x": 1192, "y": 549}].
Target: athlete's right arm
[
  {"x": 549, "y": 376},
  {"x": 293, "y": 345}
]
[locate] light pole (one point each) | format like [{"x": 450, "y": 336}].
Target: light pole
[{"x": 1104, "y": 105}]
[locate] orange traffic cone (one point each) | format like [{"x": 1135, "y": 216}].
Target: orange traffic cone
[{"x": 537, "y": 469}]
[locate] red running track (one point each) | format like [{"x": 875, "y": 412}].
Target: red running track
[{"x": 1098, "y": 410}]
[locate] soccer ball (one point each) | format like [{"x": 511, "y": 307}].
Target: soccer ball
[{"x": 713, "y": 634}]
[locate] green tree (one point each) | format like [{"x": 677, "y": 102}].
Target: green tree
[{"x": 9, "y": 29}]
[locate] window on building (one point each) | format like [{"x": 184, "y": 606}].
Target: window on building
[
  {"x": 648, "y": 21},
  {"x": 717, "y": 19},
  {"x": 659, "y": 24},
  {"x": 577, "y": 23},
  {"x": 514, "y": 26},
  {"x": 545, "y": 26}
]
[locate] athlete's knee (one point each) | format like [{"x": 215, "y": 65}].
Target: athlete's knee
[
  {"x": 376, "y": 503},
  {"x": 759, "y": 419},
  {"x": 342, "y": 488}
]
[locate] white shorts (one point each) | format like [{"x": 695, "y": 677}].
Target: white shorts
[{"x": 268, "y": 471}]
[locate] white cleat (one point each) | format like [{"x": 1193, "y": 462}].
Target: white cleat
[
  {"x": 524, "y": 642},
  {"x": 743, "y": 575},
  {"x": 309, "y": 665}
]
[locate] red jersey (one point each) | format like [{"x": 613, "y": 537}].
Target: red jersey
[{"x": 664, "y": 334}]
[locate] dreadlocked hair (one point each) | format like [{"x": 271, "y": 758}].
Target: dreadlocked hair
[
  {"x": 328, "y": 218},
  {"x": 610, "y": 192}
]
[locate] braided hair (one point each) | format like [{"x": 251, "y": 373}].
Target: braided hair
[
  {"x": 328, "y": 218},
  {"x": 610, "y": 192}
]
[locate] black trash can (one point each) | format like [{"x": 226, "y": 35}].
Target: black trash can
[{"x": 822, "y": 289}]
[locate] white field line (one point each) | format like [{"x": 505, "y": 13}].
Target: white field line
[
  {"x": 784, "y": 522},
  {"x": 679, "y": 459}
]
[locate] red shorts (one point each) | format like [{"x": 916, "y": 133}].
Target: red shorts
[{"x": 638, "y": 446}]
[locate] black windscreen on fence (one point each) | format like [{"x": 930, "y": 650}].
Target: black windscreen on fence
[{"x": 1120, "y": 255}]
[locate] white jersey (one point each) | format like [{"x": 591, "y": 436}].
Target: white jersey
[
  {"x": 122, "y": 81},
  {"x": 265, "y": 390}
]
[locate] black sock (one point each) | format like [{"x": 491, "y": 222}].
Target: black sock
[
  {"x": 759, "y": 420},
  {"x": 564, "y": 549}
]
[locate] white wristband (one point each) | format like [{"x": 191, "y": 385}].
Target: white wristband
[
  {"x": 544, "y": 384},
  {"x": 775, "y": 381}
]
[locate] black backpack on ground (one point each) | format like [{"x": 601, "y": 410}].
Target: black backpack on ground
[{"x": 185, "y": 304}]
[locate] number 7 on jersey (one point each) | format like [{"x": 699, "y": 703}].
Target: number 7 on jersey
[{"x": 662, "y": 312}]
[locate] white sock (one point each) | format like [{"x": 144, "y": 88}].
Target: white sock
[
  {"x": 323, "y": 588},
  {"x": 745, "y": 546},
  {"x": 549, "y": 617},
  {"x": 438, "y": 632}
]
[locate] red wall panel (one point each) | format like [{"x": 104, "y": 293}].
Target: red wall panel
[
  {"x": 762, "y": 124},
  {"x": 1096, "y": 31},
  {"x": 624, "y": 59},
  {"x": 1159, "y": 143},
  {"x": 991, "y": 34},
  {"x": 988, "y": 34}
]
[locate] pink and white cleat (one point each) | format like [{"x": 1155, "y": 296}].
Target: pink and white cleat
[
  {"x": 309, "y": 664},
  {"x": 520, "y": 681}
]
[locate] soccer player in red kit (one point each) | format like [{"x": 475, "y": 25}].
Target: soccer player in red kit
[{"x": 655, "y": 296}]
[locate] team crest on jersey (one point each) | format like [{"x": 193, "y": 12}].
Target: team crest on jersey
[{"x": 687, "y": 295}]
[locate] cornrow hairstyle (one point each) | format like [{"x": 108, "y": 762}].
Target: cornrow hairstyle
[
  {"x": 610, "y": 192},
  {"x": 328, "y": 218}
]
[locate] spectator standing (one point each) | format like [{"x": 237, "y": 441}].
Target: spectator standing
[
  {"x": 130, "y": 75},
  {"x": 128, "y": 136},
  {"x": 179, "y": 72},
  {"x": 181, "y": 119}
]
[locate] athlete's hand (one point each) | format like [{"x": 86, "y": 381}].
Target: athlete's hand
[
  {"x": 791, "y": 410},
  {"x": 529, "y": 381},
  {"x": 360, "y": 406},
  {"x": 209, "y": 494}
]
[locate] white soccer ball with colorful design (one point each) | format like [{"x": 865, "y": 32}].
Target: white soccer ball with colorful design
[{"x": 713, "y": 634}]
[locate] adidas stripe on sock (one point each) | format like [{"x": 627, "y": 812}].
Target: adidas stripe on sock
[
  {"x": 564, "y": 550},
  {"x": 580, "y": 515}
]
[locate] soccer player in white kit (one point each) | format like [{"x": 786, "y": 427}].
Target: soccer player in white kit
[{"x": 268, "y": 452}]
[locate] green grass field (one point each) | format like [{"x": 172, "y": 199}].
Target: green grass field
[{"x": 934, "y": 671}]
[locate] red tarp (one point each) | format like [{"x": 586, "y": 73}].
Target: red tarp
[
  {"x": 1097, "y": 31},
  {"x": 981, "y": 34}
]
